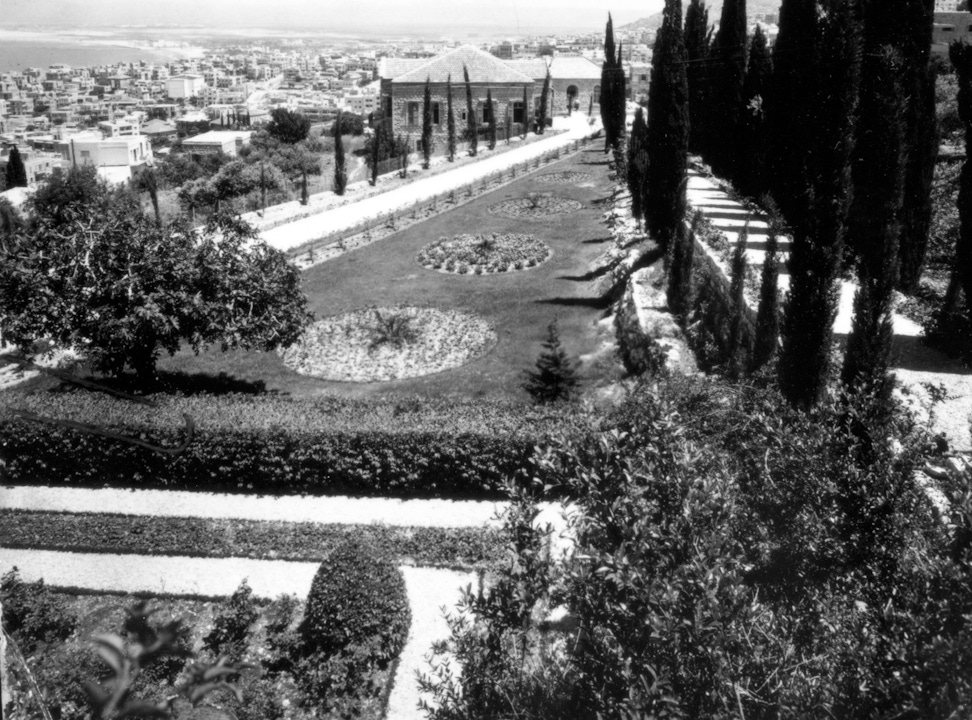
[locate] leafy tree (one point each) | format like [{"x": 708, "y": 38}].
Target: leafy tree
[
  {"x": 16, "y": 173},
  {"x": 768, "y": 313},
  {"x": 121, "y": 289},
  {"x": 875, "y": 222},
  {"x": 472, "y": 126},
  {"x": 724, "y": 94},
  {"x": 667, "y": 128},
  {"x": 555, "y": 378},
  {"x": 752, "y": 176},
  {"x": 818, "y": 236},
  {"x": 351, "y": 124},
  {"x": 638, "y": 165},
  {"x": 287, "y": 126},
  {"x": 698, "y": 37},
  {"x": 340, "y": 167},
  {"x": 542, "y": 108},
  {"x": 491, "y": 122},
  {"x": 427, "y": 123},
  {"x": 450, "y": 120}
]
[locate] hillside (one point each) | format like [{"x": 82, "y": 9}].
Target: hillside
[{"x": 753, "y": 7}]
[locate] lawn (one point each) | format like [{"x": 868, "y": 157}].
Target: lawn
[{"x": 518, "y": 305}]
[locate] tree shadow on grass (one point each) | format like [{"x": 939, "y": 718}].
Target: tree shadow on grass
[
  {"x": 588, "y": 276},
  {"x": 182, "y": 383},
  {"x": 595, "y": 303},
  {"x": 597, "y": 241}
]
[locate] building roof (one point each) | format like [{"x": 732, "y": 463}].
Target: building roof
[
  {"x": 561, "y": 68},
  {"x": 483, "y": 68},
  {"x": 217, "y": 136},
  {"x": 156, "y": 127}
]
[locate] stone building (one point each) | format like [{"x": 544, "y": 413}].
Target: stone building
[
  {"x": 403, "y": 87},
  {"x": 570, "y": 77}
]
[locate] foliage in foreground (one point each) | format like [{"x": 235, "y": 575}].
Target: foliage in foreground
[{"x": 734, "y": 558}]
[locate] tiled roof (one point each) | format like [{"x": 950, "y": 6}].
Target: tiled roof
[
  {"x": 561, "y": 68},
  {"x": 483, "y": 68},
  {"x": 390, "y": 67}
]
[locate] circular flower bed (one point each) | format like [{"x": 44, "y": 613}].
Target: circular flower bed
[
  {"x": 565, "y": 176},
  {"x": 389, "y": 343},
  {"x": 534, "y": 206},
  {"x": 478, "y": 254}
]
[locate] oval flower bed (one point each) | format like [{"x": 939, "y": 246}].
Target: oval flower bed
[
  {"x": 534, "y": 205},
  {"x": 380, "y": 344},
  {"x": 565, "y": 176},
  {"x": 478, "y": 254}
]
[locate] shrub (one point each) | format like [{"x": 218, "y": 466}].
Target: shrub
[
  {"x": 357, "y": 598},
  {"x": 32, "y": 614},
  {"x": 232, "y": 624},
  {"x": 556, "y": 375},
  {"x": 396, "y": 330}
]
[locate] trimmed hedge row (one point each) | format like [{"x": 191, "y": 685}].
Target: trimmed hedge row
[
  {"x": 280, "y": 445},
  {"x": 198, "y": 537}
]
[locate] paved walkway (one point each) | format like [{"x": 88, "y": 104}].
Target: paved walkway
[
  {"x": 915, "y": 364},
  {"x": 295, "y": 234}
]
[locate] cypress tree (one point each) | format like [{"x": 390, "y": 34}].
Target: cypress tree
[
  {"x": 542, "y": 110},
  {"x": 304, "y": 196},
  {"x": 726, "y": 75},
  {"x": 607, "y": 78},
  {"x": 961, "y": 56},
  {"x": 818, "y": 240},
  {"x": 556, "y": 376},
  {"x": 638, "y": 165},
  {"x": 590, "y": 107},
  {"x": 340, "y": 169},
  {"x": 427, "y": 123},
  {"x": 667, "y": 128},
  {"x": 680, "y": 292},
  {"x": 472, "y": 127},
  {"x": 768, "y": 313},
  {"x": 450, "y": 120},
  {"x": 619, "y": 99},
  {"x": 788, "y": 105},
  {"x": 698, "y": 35},
  {"x": 526, "y": 105},
  {"x": 492, "y": 119},
  {"x": 376, "y": 141},
  {"x": 738, "y": 355},
  {"x": 752, "y": 177},
  {"x": 16, "y": 174}
]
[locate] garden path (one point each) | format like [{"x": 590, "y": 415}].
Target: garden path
[
  {"x": 295, "y": 234},
  {"x": 916, "y": 365}
]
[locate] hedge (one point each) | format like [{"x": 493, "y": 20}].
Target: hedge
[
  {"x": 278, "y": 444},
  {"x": 263, "y": 540}
]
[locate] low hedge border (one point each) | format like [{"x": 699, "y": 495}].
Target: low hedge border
[
  {"x": 456, "y": 548},
  {"x": 280, "y": 445}
]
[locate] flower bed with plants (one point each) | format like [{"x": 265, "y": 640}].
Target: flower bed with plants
[
  {"x": 259, "y": 540},
  {"x": 534, "y": 206},
  {"x": 389, "y": 343},
  {"x": 479, "y": 254},
  {"x": 568, "y": 177}
]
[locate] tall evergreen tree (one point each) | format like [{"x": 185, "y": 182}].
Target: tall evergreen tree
[
  {"x": 789, "y": 104},
  {"x": 961, "y": 56},
  {"x": 818, "y": 239},
  {"x": 768, "y": 313},
  {"x": 698, "y": 36},
  {"x": 752, "y": 177},
  {"x": 450, "y": 120},
  {"x": 16, "y": 174},
  {"x": 375, "y": 158},
  {"x": 607, "y": 78},
  {"x": 726, "y": 74},
  {"x": 340, "y": 166},
  {"x": 638, "y": 165},
  {"x": 739, "y": 351},
  {"x": 427, "y": 123},
  {"x": 680, "y": 293},
  {"x": 542, "y": 110},
  {"x": 555, "y": 378},
  {"x": 668, "y": 128},
  {"x": 619, "y": 98},
  {"x": 526, "y": 105},
  {"x": 492, "y": 119},
  {"x": 472, "y": 126}
]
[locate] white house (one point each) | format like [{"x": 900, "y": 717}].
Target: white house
[
  {"x": 115, "y": 157},
  {"x": 181, "y": 87}
]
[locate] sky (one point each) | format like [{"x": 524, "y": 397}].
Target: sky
[{"x": 335, "y": 15}]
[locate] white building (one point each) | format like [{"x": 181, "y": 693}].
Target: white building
[
  {"x": 115, "y": 157},
  {"x": 184, "y": 86},
  {"x": 227, "y": 142}
]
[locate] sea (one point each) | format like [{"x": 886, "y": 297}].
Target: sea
[{"x": 42, "y": 52}]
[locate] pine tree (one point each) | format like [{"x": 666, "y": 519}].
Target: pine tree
[
  {"x": 638, "y": 165},
  {"x": 492, "y": 120},
  {"x": 556, "y": 375},
  {"x": 788, "y": 105},
  {"x": 542, "y": 110},
  {"x": 340, "y": 168},
  {"x": 724, "y": 93},
  {"x": 667, "y": 128},
  {"x": 472, "y": 127},
  {"x": 767, "y": 338},
  {"x": 738, "y": 355},
  {"x": 818, "y": 239},
  {"x": 450, "y": 120},
  {"x": 16, "y": 174},
  {"x": 753, "y": 177},
  {"x": 427, "y": 123},
  {"x": 698, "y": 36}
]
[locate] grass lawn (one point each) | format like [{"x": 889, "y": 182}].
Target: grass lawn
[{"x": 519, "y": 305}]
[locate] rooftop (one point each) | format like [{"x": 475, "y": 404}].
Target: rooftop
[{"x": 482, "y": 67}]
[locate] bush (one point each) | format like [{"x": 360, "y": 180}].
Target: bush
[
  {"x": 357, "y": 598},
  {"x": 278, "y": 444},
  {"x": 232, "y": 624},
  {"x": 32, "y": 614}
]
